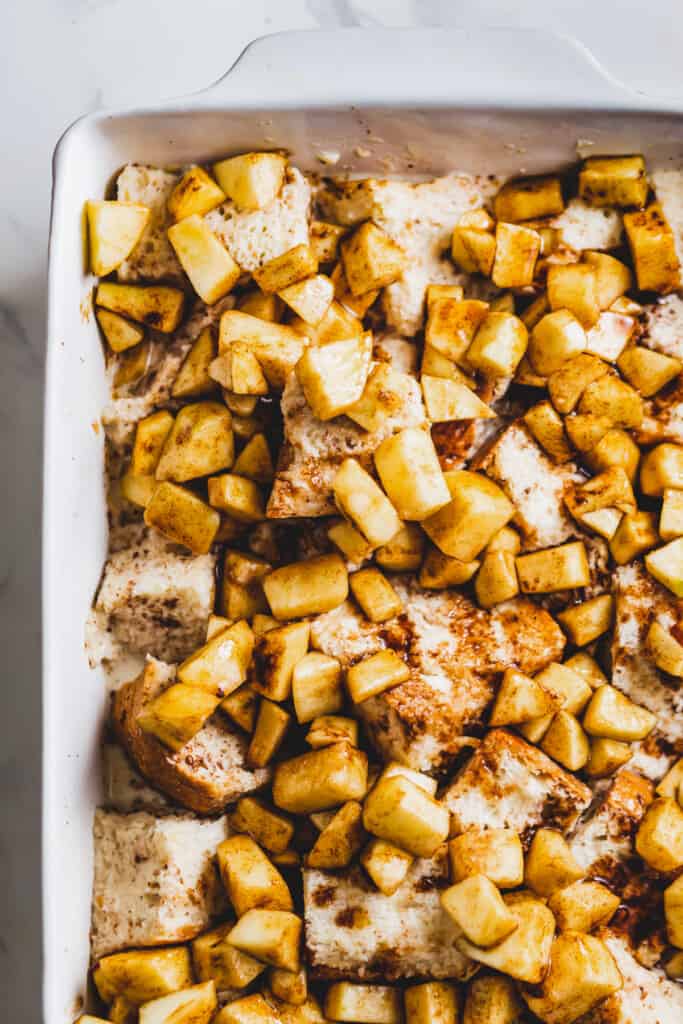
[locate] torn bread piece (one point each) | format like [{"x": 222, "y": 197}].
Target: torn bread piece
[
  {"x": 155, "y": 880},
  {"x": 125, "y": 790},
  {"x": 602, "y": 842},
  {"x": 353, "y": 931},
  {"x": 153, "y": 258},
  {"x": 667, "y": 183},
  {"x": 205, "y": 775},
  {"x": 507, "y": 783},
  {"x": 581, "y": 226},
  {"x": 454, "y": 650},
  {"x": 647, "y": 995},
  {"x": 153, "y": 600}
]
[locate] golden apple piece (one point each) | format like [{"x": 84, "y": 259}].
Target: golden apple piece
[
  {"x": 425, "y": 782},
  {"x": 496, "y": 580},
  {"x": 375, "y": 595},
  {"x": 276, "y": 655},
  {"x": 404, "y": 551},
  {"x": 249, "y": 878},
  {"x": 386, "y": 864},
  {"x": 610, "y": 335},
  {"x": 583, "y": 906},
  {"x": 150, "y": 437},
  {"x": 193, "y": 380},
  {"x": 567, "y": 384},
  {"x": 270, "y": 829},
  {"x": 494, "y": 852},
  {"x": 561, "y": 568},
  {"x": 277, "y": 347},
  {"x": 239, "y": 497},
  {"x": 325, "y": 238},
  {"x": 610, "y": 396},
  {"x": 529, "y": 198},
  {"x": 360, "y": 499},
  {"x": 158, "y": 306},
  {"x": 138, "y": 490},
  {"x": 120, "y": 334},
  {"x": 251, "y": 180},
  {"x": 635, "y": 534},
  {"x": 208, "y": 264},
  {"x": 492, "y": 999},
  {"x": 194, "y": 1005},
  {"x": 556, "y": 338},
  {"x": 320, "y": 779},
  {"x": 673, "y": 912},
  {"x": 662, "y": 467},
  {"x": 671, "y": 514},
  {"x": 434, "y": 364},
  {"x": 272, "y": 936},
  {"x": 195, "y": 194},
  {"x": 337, "y": 324},
  {"x": 674, "y": 966},
  {"x": 604, "y": 521},
  {"x": 311, "y": 587},
  {"x": 550, "y": 863},
  {"x": 505, "y": 539},
  {"x": 387, "y": 391},
  {"x": 569, "y": 686},
  {"x": 200, "y": 442},
  {"x": 404, "y": 814},
  {"x": 586, "y": 666},
  {"x": 409, "y": 470},
  {"x": 245, "y": 373},
  {"x": 613, "y": 277},
  {"x": 143, "y": 974},
  {"x": 548, "y": 428},
  {"x": 114, "y": 229},
  {"x": 659, "y": 840},
  {"x": 653, "y": 249},
  {"x": 452, "y": 324},
  {"x": 255, "y": 461},
  {"x": 216, "y": 624},
  {"x": 289, "y": 986},
  {"x": 329, "y": 729},
  {"x": 521, "y": 699},
  {"x": 356, "y": 304},
  {"x": 517, "y": 249},
  {"x": 272, "y": 724},
  {"x": 182, "y": 517},
  {"x": 525, "y": 953},
  {"x": 447, "y": 291},
  {"x": 316, "y": 686},
  {"x": 610, "y": 489},
  {"x": 310, "y": 299},
  {"x": 374, "y": 1004},
  {"x": 665, "y": 649},
  {"x": 371, "y": 259},
  {"x": 473, "y": 250},
  {"x": 581, "y": 975},
  {"x": 615, "y": 716},
  {"x": 432, "y": 1002},
  {"x": 131, "y": 367},
  {"x": 615, "y": 448},
  {"x": 87, "y": 1018},
  {"x": 340, "y": 840},
  {"x": 215, "y": 959},
  {"x": 287, "y": 269},
  {"x": 177, "y": 714},
  {"x": 535, "y": 311},
  {"x": 613, "y": 181},
  {"x": 251, "y": 1009},
  {"x": 333, "y": 376},
  {"x": 220, "y": 666},
  {"x": 375, "y": 674},
  {"x": 476, "y": 906},
  {"x": 670, "y": 784},
  {"x": 585, "y": 622},
  {"x": 265, "y": 307},
  {"x": 242, "y": 707},
  {"x": 477, "y": 509},
  {"x": 450, "y": 400},
  {"x": 574, "y": 287},
  {"x": 566, "y": 742}
]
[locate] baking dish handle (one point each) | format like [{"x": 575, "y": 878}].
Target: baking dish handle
[{"x": 506, "y": 67}]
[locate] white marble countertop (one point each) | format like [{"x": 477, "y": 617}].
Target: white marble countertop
[{"x": 62, "y": 58}]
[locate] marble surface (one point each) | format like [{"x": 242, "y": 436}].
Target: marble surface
[{"x": 60, "y": 59}]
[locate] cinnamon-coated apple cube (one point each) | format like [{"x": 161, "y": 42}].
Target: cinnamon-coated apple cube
[
  {"x": 525, "y": 953},
  {"x": 404, "y": 814},
  {"x": 287, "y": 269},
  {"x": 574, "y": 287},
  {"x": 665, "y": 649},
  {"x": 356, "y": 304},
  {"x": 452, "y": 325},
  {"x": 360, "y": 499},
  {"x": 404, "y": 551},
  {"x": 409, "y": 470},
  {"x": 193, "y": 380},
  {"x": 289, "y": 986},
  {"x": 609, "y": 489},
  {"x": 548, "y": 428},
  {"x": 517, "y": 249},
  {"x": 375, "y": 674},
  {"x": 255, "y": 461},
  {"x": 120, "y": 334},
  {"x": 340, "y": 840},
  {"x": 440, "y": 571},
  {"x": 587, "y": 666},
  {"x": 529, "y": 198},
  {"x": 252, "y": 180},
  {"x": 250, "y": 879},
  {"x": 561, "y": 568},
  {"x": 473, "y": 250},
  {"x": 242, "y": 707},
  {"x": 272, "y": 936},
  {"x": 251, "y": 1009},
  {"x": 492, "y": 999},
  {"x": 195, "y": 193},
  {"x": 386, "y": 392},
  {"x": 635, "y": 534},
  {"x": 150, "y": 437},
  {"x": 610, "y": 335},
  {"x": 311, "y": 587},
  {"x": 138, "y": 490},
  {"x": 131, "y": 367},
  {"x": 375, "y": 594},
  {"x": 498, "y": 345},
  {"x": 386, "y": 864},
  {"x": 272, "y": 723},
  {"x": 320, "y": 779},
  {"x": 158, "y": 306},
  {"x": 662, "y": 467},
  {"x": 670, "y": 784},
  {"x": 435, "y": 364},
  {"x": 276, "y": 655},
  {"x": 310, "y": 299},
  {"x": 325, "y": 238},
  {"x": 585, "y": 622},
  {"x": 556, "y": 338},
  {"x": 583, "y": 906},
  {"x": 570, "y": 688},
  {"x": 238, "y": 497},
  {"x": 613, "y": 181},
  {"x": 432, "y": 1002},
  {"x": 610, "y": 396},
  {"x": 604, "y": 521},
  {"x": 673, "y": 912},
  {"x": 244, "y": 375},
  {"x": 270, "y": 829},
  {"x": 350, "y": 541},
  {"x": 494, "y": 852},
  {"x": 615, "y": 448},
  {"x": 208, "y": 264},
  {"x": 114, "y": 229},
  {"x": 177, "y": 714},
  {"x": 581, "y": 975},
  {"x": 648, "y": 371},
  {"x": 567, "y": 384},
  {"x": 369, "y": 1004},
  {"x": 220, "y": 666},
  {"x": 522, "y": 699},
  {"x": 610, "y": 713},
  {"x": 477, "y": 509},
  {"x": 194, "y": 1005},
  {"x": 550, "y": 864},
  {"x": 182, "y": 517},
  {"x": 453, "y": 291},
  {"x": 566, "y": 742},
  {"x": 450, "y": 400},
  {"x": 371, "y": 259},
  {"x": 659, "y": 840},
  {"x": 613, "y": 277},
  {"x": 277, "y": 347},
  {"x": 606, "y": 757},
  {"x": 265, "y": 307},
  {"x": 671, "y": 514},
  {"x": 476, "y": 906},
  {"x": 143, "y": 974},
  {"x": 200, "y": 442},
  {"x": 653, "y": 249},
  {"x": 333, "y": 376},
  {"x": 496, "y": 580},
  {"x": 328, "y": 729}
]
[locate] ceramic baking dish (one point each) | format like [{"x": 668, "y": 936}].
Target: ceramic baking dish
[{"x": 410, "y": 102}]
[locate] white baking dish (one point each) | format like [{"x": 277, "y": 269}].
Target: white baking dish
[{"x": 407, "y": 102}]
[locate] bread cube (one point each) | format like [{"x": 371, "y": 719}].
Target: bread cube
[
  {"x": 255, "y": 461},
  {"x": 477, "y": 509},
  {"x": 659, "y": 840},
  {"x": 496, "y": 580},
  {"x": 498, "y": 345},
  {"x": 615, "y": 448},
  {"x": 410, "y": 473},
  {"x": 375, "y": 594},
  {"x": 252, "y": 180},
  {"x": 276, "y": 655},
  {"x": 120, "y": 334},
  {"x": 452, "y": 325},
  {"x": 432, "y": 1002},
  {"x": 270, "y": 829},
  {"x": 613, "y": 181},
  {"x": 143, "y": 974},
  {"x": 548, "y": 429},
  {"x": 560, "y": 568},
  {"x": 403, "y": 553},
  {"x": 583, "y": 906},
  {"x": 635, "y": 534},
  {"x": 249, "y": 877},
  {"x": 157, "y": 306},
  {"x": 277, "y": 347},
  {"x": 525, "y": 953},
  {"x": 666, "y": 565},
  {"x": 673, "y": 911},
  {"x": 386, "y": 864},
  {"x": 517, "y": 249},
  {"x": 473, "y": 250},
  {"x": 182, "y": 517},
  {"x": 574, "y": 287},
  {"x": 220, "y": 666},
  {"x": 403, "y": 814},
  {"x": 494, "y": 852},
  {"x": 310, "y": 587},
  {"x": 566, "y": 742},
  {"x": 320, "y": 779},
  {"x": 550, "y": 864},
  {"x": 666, "y": 651},
  {"x": 362, "y": 501},
  {"x": 114, "y": 229},
  {"x": 567, "y": 384},
  {"x": 582, "y": 974},
  {"x": 477, "y": 907},
  {"x": 340, "y": 840},
  {"x": 556, "y": 338},
  {"x": 215, "y": 959},
  {"x": 208, "y": 264},
  {"x": 653, "y": 248},
  {"x": 333, "y": 376},
  {"x": 200, "y": 442},
  {"x": 375, "y": 674},
  {"x": 492, "y": 999},
  {"x": 177, "y": 714},
  {"x": 648, "y": 371},
  {"x": 371, "y": 259},
  {"x": 662, "y": 467},
  {"x": 612, "y": 715},
  {"x": 529, "y": 198},
  {"x": 522, "y": 699},
  {"x": 194, "y": 1005},
  {"x": 271, "y": 936},
  {"x": 587, "y": 621},
  {"x": 316, "y": 686},
  {"x": 272, "y": 723},
  {"x": 450, "y": 400},
  {"x": 606, "y": 756},
  {"x": 328, "y": 729},
  {"x": 367, "y": 1004}
]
